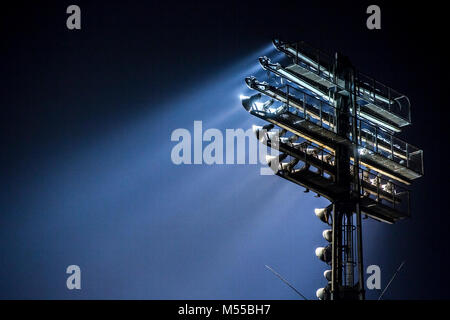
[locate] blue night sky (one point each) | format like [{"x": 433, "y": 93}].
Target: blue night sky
[{"x": 89, "y": 179}]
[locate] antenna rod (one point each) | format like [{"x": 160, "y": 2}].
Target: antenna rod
[
  {"x": 398, "y": 269},
  {"x": 286, "y": 282}
]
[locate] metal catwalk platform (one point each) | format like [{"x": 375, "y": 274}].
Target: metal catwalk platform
[
  {"x": 307, "y": 116},
  {"x": 313, "y": 167},
  {"x": 377, "y": 102}
]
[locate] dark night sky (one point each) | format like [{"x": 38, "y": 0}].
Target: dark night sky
[{"x": 70, "y": 100}]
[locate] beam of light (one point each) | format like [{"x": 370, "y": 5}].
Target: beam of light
[
  {"x": 132, "y": 220},
  {"x": 91, "y": 199}
]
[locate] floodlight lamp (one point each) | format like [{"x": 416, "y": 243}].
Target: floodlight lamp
[{"x": 327, "y": 235}]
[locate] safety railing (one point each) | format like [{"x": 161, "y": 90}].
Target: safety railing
[
  {"x": 299, "y": 104},
  {"x": 367, "y": 88},
  {"x": 308, "y": 57},
  {"x": 383, "y": 96},
  {"x": 384, "y": 191},
  {"x": 371, "y": 139},
  {"x": 310, "y": 108}
]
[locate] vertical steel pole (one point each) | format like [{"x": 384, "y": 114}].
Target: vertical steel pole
[
  {"x": 357, "y": 181},
  {"x": 361, "y": 294}
]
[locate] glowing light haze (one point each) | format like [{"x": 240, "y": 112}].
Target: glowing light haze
[{"x": 141, "y": 227}]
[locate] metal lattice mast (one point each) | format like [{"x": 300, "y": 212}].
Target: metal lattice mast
[{"x": 336, "y": 128}]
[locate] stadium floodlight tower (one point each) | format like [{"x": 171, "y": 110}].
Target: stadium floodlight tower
[{"x": 334, "y": 128}]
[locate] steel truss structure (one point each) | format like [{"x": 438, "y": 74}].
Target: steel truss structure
[{"x": 335, "y": 130}]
